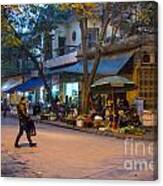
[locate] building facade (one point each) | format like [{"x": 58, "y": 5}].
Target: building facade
[
  {"x": 66, "y": 42},
  {"x": 64, "y": 69}
]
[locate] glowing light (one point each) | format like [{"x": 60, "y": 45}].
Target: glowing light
[
  {"x": 26, "y": 94},
  {"x": 42, "y": 94},
  {"x": 71, "y": 89}
]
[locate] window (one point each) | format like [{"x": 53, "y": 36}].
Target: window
[
  {"x": 55, "y": 90},
  {"x": 147, "y": 86},
  {"x": 92, "y": 36},
  {"x": 74, "y": 36},
  {"x": 61, "y": 45},
  {"x": 146, "y": 58}
]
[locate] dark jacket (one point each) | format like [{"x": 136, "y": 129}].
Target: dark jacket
[
  {"x": 22, "y": 110},
  {"x": 36, "y": 110}
]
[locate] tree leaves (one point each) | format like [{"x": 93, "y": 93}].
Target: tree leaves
[
  {"x": 81, "y": 10},
  {"x": 30, "y": 21}
]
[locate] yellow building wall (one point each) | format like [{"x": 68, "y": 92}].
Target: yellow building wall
[{"x": 131, "y": 95}]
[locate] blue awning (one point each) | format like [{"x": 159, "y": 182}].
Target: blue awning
[
  {"x": 107, "y": 66},
  {"x": 28, "y": 85},
  {"x": 9, "y": 84}
]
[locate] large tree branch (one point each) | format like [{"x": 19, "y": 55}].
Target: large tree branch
[
  {"x": 84, "y": 31},
  {"x": 99, "y": 47},
  {"x": 98, "y": 50},
  {"x": 104, "y": 28},
  {"x": 114, "y": 33}
]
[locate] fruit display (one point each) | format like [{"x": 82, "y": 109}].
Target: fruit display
[{"x": 132, "y": 130}]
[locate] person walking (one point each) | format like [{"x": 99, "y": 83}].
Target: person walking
[
  {"x": 24, "y": 123},
  {"x": 5, "y": 108}
]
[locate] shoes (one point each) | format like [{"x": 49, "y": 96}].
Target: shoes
[
  {"x": 33, "y": 144},
  {"x": 17, "y": 146}
]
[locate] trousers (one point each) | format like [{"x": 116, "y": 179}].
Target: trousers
[{"x": 23, "y": 127}]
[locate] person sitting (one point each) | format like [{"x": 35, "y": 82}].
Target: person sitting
[
  {"x": 109, "y": 115},
  {"x": 126, "y": 103},
  {"x": 122, "y": 119},
  {"x": 93, "y": 113},
  {"x": 136, "y": 120}
]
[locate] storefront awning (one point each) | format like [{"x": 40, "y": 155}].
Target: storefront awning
[
  {"x": 107, "y": 66},
  {"x": 9, "y": 84},
  {"x": 114, "y": 83},
  {"x": 31, "y": 84}
]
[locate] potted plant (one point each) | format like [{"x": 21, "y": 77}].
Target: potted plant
[
  {"x": 98, "y": 120},
  {"x": 80, "y": 121},
  {"x": 70, "y": 119},
  {"x": 52, "y": 116},
  {"x": 88, "y": 121}
]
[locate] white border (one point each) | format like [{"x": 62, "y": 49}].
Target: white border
[{"x": 50, "y": 182}]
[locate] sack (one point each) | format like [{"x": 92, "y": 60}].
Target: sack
[{"x": 31, "y": 127}]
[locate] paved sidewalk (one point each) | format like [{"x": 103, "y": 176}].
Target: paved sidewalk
[{"x": 150, "y": 135}]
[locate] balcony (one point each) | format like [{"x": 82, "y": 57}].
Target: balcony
[
  {"x": 65, "y": 56},
  {"x": 66, "y": 50}
]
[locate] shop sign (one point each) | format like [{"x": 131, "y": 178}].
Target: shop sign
[
  {"x": 34, "y": 73},
  {"x": 149, "y": 118}
]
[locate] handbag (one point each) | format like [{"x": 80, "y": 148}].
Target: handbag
[{"x": 32, "y": 128}]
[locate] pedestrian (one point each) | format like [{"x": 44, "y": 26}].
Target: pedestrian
[
  {"x": 24, "y": 123},
  {"x": 99, "y": 107},
  {"x": 5, "y": 108},
  {"x": 66, "y": 106},
  {"x": 139, "y": 102}
]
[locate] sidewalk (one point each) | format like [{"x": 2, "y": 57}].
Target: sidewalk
[{"x": 150, "y": 135}]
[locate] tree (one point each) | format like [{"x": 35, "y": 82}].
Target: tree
[
  {"x": 125, "y": 18},
  {"x": 22, "y": 26}
]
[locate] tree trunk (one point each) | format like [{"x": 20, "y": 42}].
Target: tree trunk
[
  {"x": 85, "y": 84},
  {"x": 41, "y": 73},
  {"x": 89, "y": 78},
  {"x": 85, "y": 98}
]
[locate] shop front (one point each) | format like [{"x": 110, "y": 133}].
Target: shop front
[
  {"x": 66, "y": 88},
  {"x": 8, "y": 84},
  {"x": 71, "y": 90}
]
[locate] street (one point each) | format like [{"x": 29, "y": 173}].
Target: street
[{"x": 64, "y": 153}]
